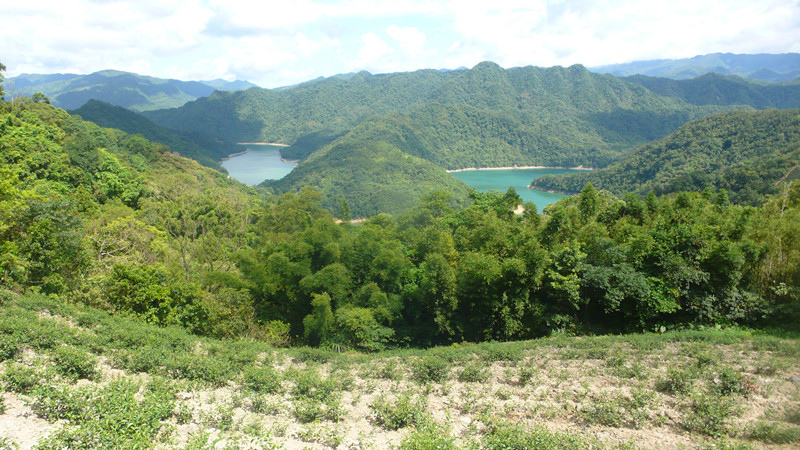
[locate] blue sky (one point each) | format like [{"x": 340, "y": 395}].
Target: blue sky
[{"x": 278, "y": 43}]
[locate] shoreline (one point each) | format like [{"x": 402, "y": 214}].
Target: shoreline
[
  {"x": 232, "y": 155},
  {"x": 263, "y": 143},
  {"x": 518, "y": 167},
  {"x": 552, "y": 191}
]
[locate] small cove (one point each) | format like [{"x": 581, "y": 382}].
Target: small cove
[
  {"x": 501, "y": 179},
  {"x": 256, "y": 163}
]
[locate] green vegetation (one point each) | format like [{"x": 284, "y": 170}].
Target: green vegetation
[
  {"x": 716, "y": 89},
  {"x": 747, "y": 154},
  {"x": 111, "y": 220},
  {"x": 196, "y": 146},
  {"x": 486, "y": 115},
  {"x": 331, "y": 398},
  {"x": 144, "y": 300}
]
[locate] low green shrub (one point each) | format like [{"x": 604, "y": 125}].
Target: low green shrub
[
  {"x": 405, "y": 411},
  {"x": 501, "y": 436},
  {"x": 677, "y": 381},
  {"x": 710, "y": 414},
  {"x": 74, "y": 363},
  {"x": 428, "y": 436},
  {"x": 430, "y": 369},
  {"x": 775, "y": 433},
  {"x": 473, "y": 373},
  {"x": 262, "y": 379},
  {"x": 21, "y": 379}
]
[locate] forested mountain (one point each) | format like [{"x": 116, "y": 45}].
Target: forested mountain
[
  {"x": 129, "y": 90},
  {"x": 765, "y": 67},
  {"x": 109, "y": 219},
  {"x": 194, "y": 145},
  {"x": 716, "y": 89},
  {"x": 485, "y": 116},
  {"x": 579, "y": 108},
  {"x": 746, "y": 153}
]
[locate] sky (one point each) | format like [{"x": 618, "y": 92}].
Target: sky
[{"x": 280, "y": 43}]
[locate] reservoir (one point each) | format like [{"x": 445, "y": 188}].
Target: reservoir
[
  {"x": 259, "y": 162},
  {"x": 501, "y": 179}
]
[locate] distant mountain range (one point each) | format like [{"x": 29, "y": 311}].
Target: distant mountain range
[
  {"x": 764, "y": 67},
  {"x": 126, "y": 89}
]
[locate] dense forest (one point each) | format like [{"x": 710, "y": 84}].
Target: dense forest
[
  {"x": 746, "y": 153},
  {"x": 194, "y": 145},
  {"x": 101, "y": 217},
  {"x": 480, "y": 117}
]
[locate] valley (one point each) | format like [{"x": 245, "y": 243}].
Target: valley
[{"x": 356, "y": 283}]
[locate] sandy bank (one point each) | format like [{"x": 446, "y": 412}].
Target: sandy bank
[{"x": 519, "y": 167}]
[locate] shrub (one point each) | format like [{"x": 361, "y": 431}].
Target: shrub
[
  {"x": 473, "y": 373},
  {"x": 20, "y": 379},
  {"x": 263, "y": 379},
  {"x": 430, "y": 369},
  {"x": 74, "y": 363},
  {"x": 501, "y": 435},
  {"x": 775, "y": 433},
  {"x": 710, "y": 415},
  {"x": 428, "y": 436},
  {"x": 677, "y": 381},
  {"x": 732, "y": 382},
  {"x": 403, "y": 412}
]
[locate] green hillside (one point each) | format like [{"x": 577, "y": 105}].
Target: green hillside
[
  {"x": 716, "y": 89},
  {"x": 373, "y": 173},
  {"x": 745, "y": 152},
  {"x": 129, "y": 90},
  {"x": 197, "y": 146},
  {"x": 570, "y": 107}
]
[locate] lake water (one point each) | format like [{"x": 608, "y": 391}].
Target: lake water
[
  {"x": 261, "y": 162},
  {"x": 502, "y": 179}
]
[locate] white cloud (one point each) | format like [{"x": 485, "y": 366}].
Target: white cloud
[
  {"x": 275, "y": 43},
  {"x": 373, "y": 49},
  {"x": 410, "y": 39}
]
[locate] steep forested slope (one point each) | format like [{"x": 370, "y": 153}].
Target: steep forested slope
[
  {"x": 571, "y": 107},
  {"x": 744, "y": 152},
  {"x": 195, "y": 145},
  {"x": 109, "y": 219},
  {"x": 716, "y": 89}
]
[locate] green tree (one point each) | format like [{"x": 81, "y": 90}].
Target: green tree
[{"x": 2, "y": 79}]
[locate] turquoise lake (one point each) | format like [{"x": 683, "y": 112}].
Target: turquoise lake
[
  {"x": 263, "y": 162},
  {"x": 260, "y": 162},
  {"x": 502, "y": 179}
]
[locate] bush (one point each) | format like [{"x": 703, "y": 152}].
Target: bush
[
  {"x": 20, "y": 379},
  {"x": 428, "y": 436},
  {"x": 775, "y": 433},
  {"x": 676, "y": 382},
  {"x": 710, "y": 415},
  {"x": 403, "y": 412},
  {"x": 262, "y": 379},
  {"x": 473, "y": 373},
  {"x": 74, "y": 363},
  {"x": 430, "y": 369}
]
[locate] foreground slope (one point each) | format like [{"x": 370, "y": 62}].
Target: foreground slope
[
  {"x": 78, "y": 377},
  {"x": 747, "y": 153}
]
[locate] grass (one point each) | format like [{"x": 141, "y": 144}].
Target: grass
[{"x": 182, "y": 391}]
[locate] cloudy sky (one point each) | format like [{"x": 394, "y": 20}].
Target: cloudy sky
[{"x": 278, "y": 43}]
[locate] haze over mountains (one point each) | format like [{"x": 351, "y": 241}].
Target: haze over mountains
[
  {"x": 133, "y": 91},
  {"x": 764, "y": 67}
]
